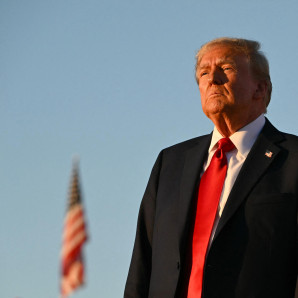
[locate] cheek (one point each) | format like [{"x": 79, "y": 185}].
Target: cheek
[
  {"x": 202, "y": 89},
  {"x": 243, "y": 86},
  {"x": 238, "y": 89}
]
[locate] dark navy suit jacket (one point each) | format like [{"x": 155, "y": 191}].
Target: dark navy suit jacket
[{"x": 254, "y": 251}]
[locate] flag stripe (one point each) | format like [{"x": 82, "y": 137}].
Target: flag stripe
[
  {"x": 74, "y": 279},
  {"x": 73, "y": 212},
  {"x": 80, "y": 229},
  {"x": 73, "y": 243},
  {"x": 73, "y": 225}
]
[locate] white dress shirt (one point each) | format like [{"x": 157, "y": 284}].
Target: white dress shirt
[{"x": 243, "y": 139}]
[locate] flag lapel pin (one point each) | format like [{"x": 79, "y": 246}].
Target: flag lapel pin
[{"x": 268, "y": 153}]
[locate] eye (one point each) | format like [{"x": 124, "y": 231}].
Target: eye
[
  {"x": 203, "y": 73},
  {"x": 227, "y": 67}
]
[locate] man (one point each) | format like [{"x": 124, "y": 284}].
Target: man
[{"x": 219, "y": 215}]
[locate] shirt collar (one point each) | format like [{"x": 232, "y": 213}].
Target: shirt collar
[{"x": 244, "y": 138}]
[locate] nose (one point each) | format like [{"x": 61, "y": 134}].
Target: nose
[{"x": 215, "y": 77}]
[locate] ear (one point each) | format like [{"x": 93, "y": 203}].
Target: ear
[{"x": 261, "y": 90}]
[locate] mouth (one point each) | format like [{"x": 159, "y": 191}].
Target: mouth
[
  {"x": 215, "y": 94},
  {"x": 215, "y": 90}
]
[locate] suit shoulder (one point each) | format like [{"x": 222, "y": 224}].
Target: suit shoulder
[
  {"x": 290, "y": 142},
  {"x": 285, "y": 139},
  {"x": 291, "y": 137}
]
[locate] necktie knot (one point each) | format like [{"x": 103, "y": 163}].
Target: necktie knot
[{"x": 225, "y": 145}]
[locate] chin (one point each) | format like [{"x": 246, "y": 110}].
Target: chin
[{"x": 213, "y": 110}]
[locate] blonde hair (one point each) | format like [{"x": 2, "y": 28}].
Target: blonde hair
[{"x": 251, "y": 49}]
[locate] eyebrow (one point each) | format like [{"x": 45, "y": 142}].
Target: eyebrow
[{"x": 221, "y": 61}]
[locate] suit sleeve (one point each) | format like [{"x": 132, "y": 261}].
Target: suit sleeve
[{"x": 138, "y": 279}]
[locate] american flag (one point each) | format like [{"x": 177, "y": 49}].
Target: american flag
[
  {"x": 269, "y": 153},
  {"x": 74, "y": 236}
]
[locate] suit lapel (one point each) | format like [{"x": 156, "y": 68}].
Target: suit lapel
[
  {"x": 258, "y": 160},
  {"x": 194, "y": 160}
]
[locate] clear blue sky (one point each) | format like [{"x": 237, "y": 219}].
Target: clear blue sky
[{"x": 111, "y": 81}]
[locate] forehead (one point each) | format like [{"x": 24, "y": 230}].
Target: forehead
[{"x": 220, "y": 54}]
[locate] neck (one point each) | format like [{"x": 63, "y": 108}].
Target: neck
[{"x": 227, "y": 126}]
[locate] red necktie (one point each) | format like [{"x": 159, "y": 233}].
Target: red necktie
[{"x": 208, "y": 198}]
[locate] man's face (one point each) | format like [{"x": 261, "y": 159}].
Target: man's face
[{"x": 227, "y": 86}]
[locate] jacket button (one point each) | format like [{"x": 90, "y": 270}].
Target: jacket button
[{"x": 178, "y": 265}]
